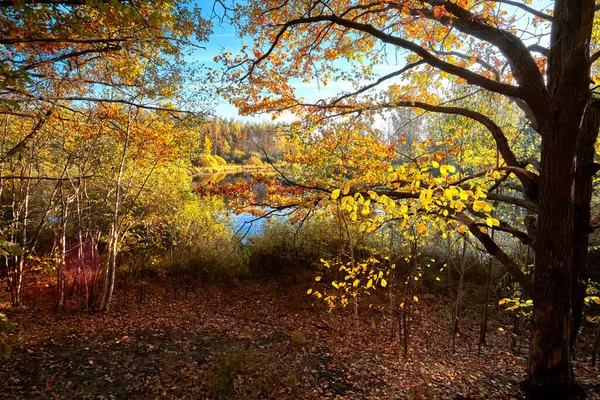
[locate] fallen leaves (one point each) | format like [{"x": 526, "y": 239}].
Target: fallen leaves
[{"x": 245, "y": 339}]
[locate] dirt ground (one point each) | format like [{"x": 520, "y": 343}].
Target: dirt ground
[{"x": 251, "y": 340}]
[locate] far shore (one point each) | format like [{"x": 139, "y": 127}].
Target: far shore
[{"x": 234, "y": 168}]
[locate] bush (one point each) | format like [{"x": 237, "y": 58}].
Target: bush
[
  {"x": 184, "y": 233},
  {"x": 253, "y": 160},
  {"x": 220, "y": 160},
  {"x": 206, "y": 161},
  {"x": 5, "y": 327},
  {"x": 237, "y": 157},
  {"x": 281, "y": 244},
  {"x": 200, "y": 235}
]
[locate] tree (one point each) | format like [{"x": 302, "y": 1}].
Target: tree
[
  {"x": 480, "y": 47},
  {"x": 62, "y": 54},
  {"x": 68, "y": 64}
]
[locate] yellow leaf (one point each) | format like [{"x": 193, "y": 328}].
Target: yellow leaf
[
  {"x": 318, "y": 278},
  {"x": 335, "y": 194},
  {"x": 421, "y": 227},
  {"x": 435, "y": 164},
  {"x": 501, "y": 330},
  {"x": 416, "y": 299},
  {"x": 356, "y": 282},
  {"x": 309, "y": 291},
  {"x": 383, "y": 282},
  {"x": 346, "y": 188},
  {"x": 482, "y": 205},
  {"x": 437, "y": 278}
]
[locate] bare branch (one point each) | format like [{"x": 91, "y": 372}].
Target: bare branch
[
  {"x": 493, "y": 249},
  {"x": 19, "y": 146}
]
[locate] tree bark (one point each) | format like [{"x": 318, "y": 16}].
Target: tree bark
[
  {"x": 584, "y": 173},
  {"x": 550, "y": 359},
  {"x": 549, "y": 371}
]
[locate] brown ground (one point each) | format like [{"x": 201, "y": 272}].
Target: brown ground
[{"x": 251, "y": 340}]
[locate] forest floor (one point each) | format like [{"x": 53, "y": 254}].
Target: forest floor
[{"x": 251, "y": 340}]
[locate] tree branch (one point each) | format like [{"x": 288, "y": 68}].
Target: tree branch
[
  {"x": 530, "y": 10},
  {"x": 522, "y": 63},
  {"x": 101, "y": 100},
  {"x": 12, "y": 3},
  {"x": 493, "y": 249},
  {"x": 19, "y": 146},
  {"x": 466, "y": 74}
]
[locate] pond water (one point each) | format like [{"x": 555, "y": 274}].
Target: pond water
[{"x": 245, "y": 224}]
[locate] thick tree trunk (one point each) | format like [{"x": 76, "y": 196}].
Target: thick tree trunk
[
  {"x": 550, "y": 359},
  {"x": 550, "y": 373}
]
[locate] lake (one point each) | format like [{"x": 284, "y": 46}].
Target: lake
[{"x": 244, "y": 223}]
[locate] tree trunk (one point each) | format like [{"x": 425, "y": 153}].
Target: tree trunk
[
  {"x": 568, "y": 77},
  {"x": 61, "y": 280},
  {"x": 405, "y": 309},
  {"x": 109, "y": 278},
  {"x": 550, "y": 359},
  {"x": 584, "y": 173},
  {"x": 595, "y": 348},
  {"x": 456, "y": 315},
  {"x": 484, "y": 314}
]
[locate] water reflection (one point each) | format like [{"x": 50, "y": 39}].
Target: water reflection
[{"x": 245, "y": 224}]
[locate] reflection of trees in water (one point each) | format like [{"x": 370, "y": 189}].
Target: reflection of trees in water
[
  {"x": 213, "y": 182},
  {"x": 223, "y": 178},
  {"x": 208, "y": 179}
]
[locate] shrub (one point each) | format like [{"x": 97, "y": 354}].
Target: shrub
[
  {"x": 253, "y": 160},
  {"x": 5, "y": 327},
  {"x": 206, "y": 161},
  {"x": 199, "y": 235},
  {"x": 220, "y": 160},
  {"x": 182, "y": 233},
  {"x": 281, "y": 244},
  {"x": 237, "y": 156}
]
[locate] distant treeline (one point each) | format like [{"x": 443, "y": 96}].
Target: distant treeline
[{"x": 237, "y": 141}]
